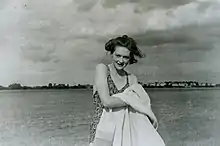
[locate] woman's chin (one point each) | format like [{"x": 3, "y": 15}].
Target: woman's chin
[{"x": 120, "y": 67}]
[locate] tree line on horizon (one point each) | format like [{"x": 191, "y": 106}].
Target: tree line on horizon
[
  {"x": 164, "y": 84},
  {"x": 49, "y": 86}
]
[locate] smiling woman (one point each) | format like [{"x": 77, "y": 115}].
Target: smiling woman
[{"x": 112, "y": 78}]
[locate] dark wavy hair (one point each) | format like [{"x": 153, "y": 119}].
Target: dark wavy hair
[{"x": 127, "y": 42}]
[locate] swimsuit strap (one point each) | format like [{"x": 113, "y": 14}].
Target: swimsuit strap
[{"x": 127, "y": 82}]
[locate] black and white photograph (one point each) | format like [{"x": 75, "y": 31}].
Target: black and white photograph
[{"x": 109, "y": 72}]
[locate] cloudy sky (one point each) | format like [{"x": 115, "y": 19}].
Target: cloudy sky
[{"x": 62, "y": 40}]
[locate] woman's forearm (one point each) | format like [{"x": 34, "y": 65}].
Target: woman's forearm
[
  {"x": 152, "y": 116},
  {"x": 115, "y": 102}
]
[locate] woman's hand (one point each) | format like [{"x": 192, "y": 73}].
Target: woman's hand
[
  {"x": 155, "y": 123},
  {"x": 153, "y": 120}
]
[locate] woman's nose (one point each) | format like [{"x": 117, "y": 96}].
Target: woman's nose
[{"x": 120, "y": 59}]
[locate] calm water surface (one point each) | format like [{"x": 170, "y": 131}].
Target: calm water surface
[{"x": 62, "y": 117}]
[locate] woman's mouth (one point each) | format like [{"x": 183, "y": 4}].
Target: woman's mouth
[{"x": 120, "y": 64}]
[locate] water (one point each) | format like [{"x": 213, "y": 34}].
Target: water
[{"x": 61, "y": 117}]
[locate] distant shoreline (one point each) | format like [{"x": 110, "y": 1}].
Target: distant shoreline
[
  {"x": 154, "y": 88},
  {"x": 166, "y": 85},
  {"x": 191, "y": 88}
]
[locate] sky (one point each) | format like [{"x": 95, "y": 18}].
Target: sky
[{"x": 61, "y": 41}]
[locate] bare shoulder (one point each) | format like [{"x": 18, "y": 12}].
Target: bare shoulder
[
  {"x": 101, "y": 68},
  {"x": 132, "y": 78},
  {"x": 100, "y": 75},
  {"x": 100, "y": 72}
]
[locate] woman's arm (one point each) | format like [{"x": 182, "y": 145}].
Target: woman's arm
[
  {"x": 102, "y": 88},
  {"x": 153, "y": 119},
  {"x": 132, "y": 79},
  {"x": 151, "y": 115}
]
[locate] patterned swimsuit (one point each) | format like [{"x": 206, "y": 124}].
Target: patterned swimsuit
[{"x": 99, "y": 106}]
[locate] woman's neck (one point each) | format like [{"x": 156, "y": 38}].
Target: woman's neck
[{"x": 120, "y": 73}]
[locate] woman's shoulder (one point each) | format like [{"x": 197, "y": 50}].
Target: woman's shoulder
[
  {"x": 101, "y": 69},
  {"x": 132, "y": 78},
  {"x": 131, "y": 75},
  {"x": 100, "y": 74},
  {"x": 101, "y": 66}
]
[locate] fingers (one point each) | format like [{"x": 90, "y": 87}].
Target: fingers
[{"x": 155, "y": 124}]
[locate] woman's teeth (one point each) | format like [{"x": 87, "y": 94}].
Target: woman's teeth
[{"x": 120, "y": 64}]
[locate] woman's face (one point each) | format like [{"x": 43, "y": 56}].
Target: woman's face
[{"x": 120, "y": 57}]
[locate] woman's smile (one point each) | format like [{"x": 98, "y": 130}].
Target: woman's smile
[{"x": 120, "y": 64}]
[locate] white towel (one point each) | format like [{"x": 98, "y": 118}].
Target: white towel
[
  {"x": 137, "y": 98},
  {"x": 132, "y": 127},
  {"x": 137, "y": 129}
]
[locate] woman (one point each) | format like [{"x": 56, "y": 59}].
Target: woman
[{"x": 112, "y": 78}]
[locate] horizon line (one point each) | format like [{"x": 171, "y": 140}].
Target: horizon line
[{"x": 77, "y": 84}]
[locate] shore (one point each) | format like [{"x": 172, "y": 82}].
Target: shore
[
  {"x": 191, "y": 88},
  {"x": 154, "y": 88}
]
